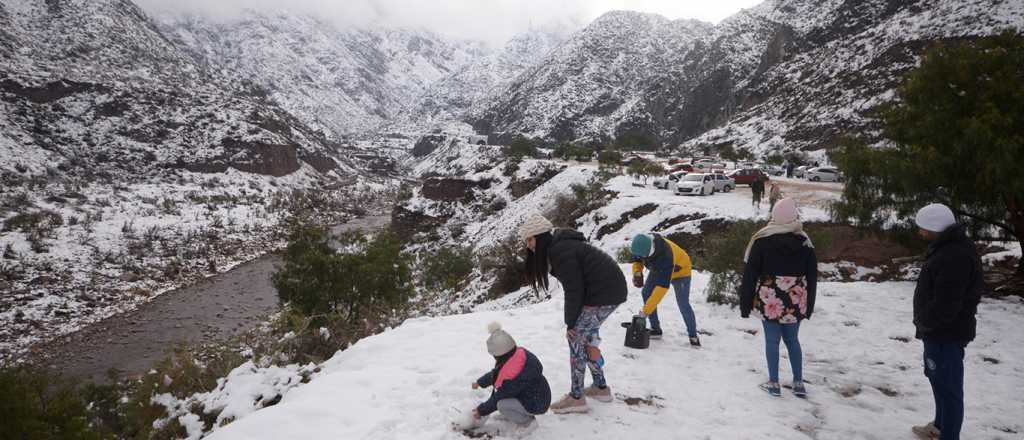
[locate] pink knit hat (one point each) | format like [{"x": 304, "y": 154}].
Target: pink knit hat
[{"x": 785, "y": 212}]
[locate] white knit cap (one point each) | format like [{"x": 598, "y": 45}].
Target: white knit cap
[
  {"x": 935, "y": 217},
  {"x": 535, "y": 224},
  {"x": 499, "y": 342}
]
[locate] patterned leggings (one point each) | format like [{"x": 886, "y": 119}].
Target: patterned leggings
[{"x": 587, "y": 327}]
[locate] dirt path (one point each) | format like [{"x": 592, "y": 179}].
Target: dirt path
[{"x": 214, "y": 309}]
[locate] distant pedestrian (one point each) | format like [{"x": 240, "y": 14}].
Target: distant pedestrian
[
  {"x": 774, "y": 194},
  {"x": 757, "y": 191},
  {"x": 945, "y": 303},
  {"x": 789, "y": 170},
  {"x": 780, "y": 282},
  {"x": 593, "y": 285}
]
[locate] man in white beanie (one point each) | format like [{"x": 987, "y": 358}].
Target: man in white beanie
[{"x": 945, "y": 302}]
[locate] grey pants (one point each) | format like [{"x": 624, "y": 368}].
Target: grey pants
[{"x": 514, "y": 411}]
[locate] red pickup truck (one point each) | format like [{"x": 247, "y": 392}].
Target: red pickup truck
[{"x": 746, "y": 176}]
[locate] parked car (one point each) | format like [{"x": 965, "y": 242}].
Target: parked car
[
  {"x": 800, "y": 171},
  {"x": 669, "y": 181},
  {"x": 773, "y": 170},
  {"x": 705, "y": 165},
  {"x": 696, "y": 184},
  {"x": 682, "y": 167},
  {"x": 746, "y": 176},
  {"x": 724, "y": 183},
  {"x": 824, "y": 174}
]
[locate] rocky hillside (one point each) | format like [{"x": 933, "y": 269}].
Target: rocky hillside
[
  {"x": 342, "y": 80},
  {"x": 784, "y": 74},
  {"x": 129, "y": 166},
  {"x": 94, "y": 86}
]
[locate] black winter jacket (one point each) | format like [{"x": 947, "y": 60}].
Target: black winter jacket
[
  {"x": 949, "y": 289},
  {"x": 589, "y": 276},
  {"x": 780, "y": 279},
  {"x": 529, "y": 386}
]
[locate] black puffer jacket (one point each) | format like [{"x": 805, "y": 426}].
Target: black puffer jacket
[
  {"x": 780, "y": 279},
  {"x": 949, "y": 289},
  {"x": 589, "y": 276}
]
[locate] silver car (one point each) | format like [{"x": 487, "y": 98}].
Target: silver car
[{"x": 824, "y": 174}]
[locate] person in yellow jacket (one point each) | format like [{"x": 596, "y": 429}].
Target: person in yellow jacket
[{"x": 668, "y": 264}]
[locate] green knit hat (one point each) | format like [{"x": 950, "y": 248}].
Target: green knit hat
[{"x": 642, "y": 246}]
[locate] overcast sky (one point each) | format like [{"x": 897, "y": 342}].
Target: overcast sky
[{"x": 489, "y": 20}]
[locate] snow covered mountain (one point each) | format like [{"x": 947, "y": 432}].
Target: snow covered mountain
[
  {"x": 787, "y": 73},
  {"x": 475, "y": 86},
  {"x": 339, "y": 79},
  {"x": 96, "y": 84}
]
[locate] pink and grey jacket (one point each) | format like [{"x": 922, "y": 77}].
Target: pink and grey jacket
[{"x": 520, "y": 377}]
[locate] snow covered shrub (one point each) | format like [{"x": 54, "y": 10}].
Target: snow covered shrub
[
  {"x": 504, "y": 263},
  {"x": 624, "y": 255},
  {"x": 446, "y": 268},
  {"x": 585, "y": 198},
  {"x": 723, "y": 257},
  {"x": 367, "y": 278}
]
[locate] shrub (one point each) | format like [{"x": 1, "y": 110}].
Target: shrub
[
  {"x": 520, "y": 147},
  {"x": 446, "y": 268},
  {"x": 40, "y": 221},
  {"x": 368, "y": 277},
  {"x": 584, "y": 199},
  {"x": 505, "y": 263},
  {"x": 724, "y": 259},
  {"x": 38, "y": 404},
  {"x": 624, "y": 255}
]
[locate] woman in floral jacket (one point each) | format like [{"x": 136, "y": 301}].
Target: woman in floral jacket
[{"x": 779, "y": 283}]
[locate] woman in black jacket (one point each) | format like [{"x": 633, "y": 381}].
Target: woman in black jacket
[
  {"x": 779, "y": 282},
  {"x": 594, "y": 287}
]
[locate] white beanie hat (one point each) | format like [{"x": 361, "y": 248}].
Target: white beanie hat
[
  {"x": 935, "y": 217},
  {"x": 499, "y": 342},
  {"x": 535, "y": 224}
]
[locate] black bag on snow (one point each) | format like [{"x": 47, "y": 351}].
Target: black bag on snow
[{"x": 636, "y": 333}]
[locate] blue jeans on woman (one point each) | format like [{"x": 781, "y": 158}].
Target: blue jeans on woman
[
  {"x": 788, "y": 333},
  {"x": 944, "y": 367},
  {"x": 682, "y": 288}
]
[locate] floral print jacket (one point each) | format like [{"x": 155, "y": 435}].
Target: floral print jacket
[
  {"x": 781, "y": 298},
  {"x": 780, "y": 279}
]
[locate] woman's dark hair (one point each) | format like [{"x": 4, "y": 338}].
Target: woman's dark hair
[{"x": 537, "y": 262}]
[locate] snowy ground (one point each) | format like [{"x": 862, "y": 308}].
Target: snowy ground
[{"x": 861, "y": 362}]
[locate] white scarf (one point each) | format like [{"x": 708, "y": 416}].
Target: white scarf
[{"x": 794, "y": 227}]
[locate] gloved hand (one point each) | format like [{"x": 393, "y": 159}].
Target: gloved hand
[
  {"x": 476, "y": 385},
  {"x": 638, "y": 279}
]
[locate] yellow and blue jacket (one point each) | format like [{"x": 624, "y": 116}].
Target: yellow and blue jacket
[{"x": 668, "y": 262}]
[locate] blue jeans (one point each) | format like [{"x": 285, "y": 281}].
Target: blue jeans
[
  {"x": 789, "y": 333},
  {"x": 944, "y": 367},
  {"x": 682, "y": 288}
]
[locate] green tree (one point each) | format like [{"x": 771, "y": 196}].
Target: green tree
[
  {"x": 38, "y": 404},
  {"x": 609, "y": 159},
  {"x": 643, "y": 169},
  {"x": 958, "y": 138},
  {"x": 366, "y": 277},
  {"x": 520, "y": 147},
  {"x": 447, "y": 268}
]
